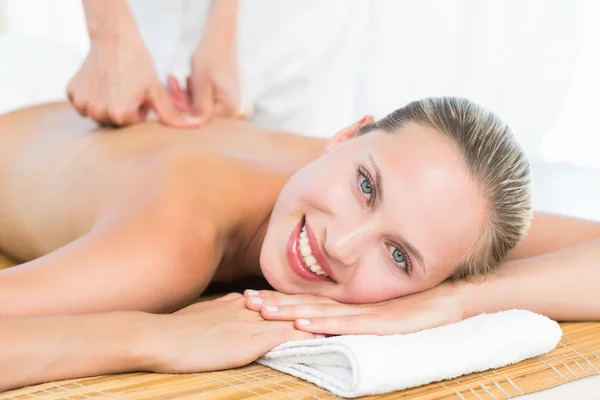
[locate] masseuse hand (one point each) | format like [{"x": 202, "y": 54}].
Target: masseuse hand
[
  {"x": 215, "y": 335},
  {"x": 118, "y": 84},
  {"x": 429, "y": 309},
  {"x": 213, "y": 89}
]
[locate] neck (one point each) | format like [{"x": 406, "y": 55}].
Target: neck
[
  {"x": 242, "y": 255},
  {"x": 248, "y": 227}
]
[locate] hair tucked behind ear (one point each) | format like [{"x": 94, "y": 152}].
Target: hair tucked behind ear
[{"x": 494, "y": 160}]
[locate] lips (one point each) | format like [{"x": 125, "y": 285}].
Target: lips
[
  {"x": 318, "y": 253},
  {"x": 295, "y": 258}
]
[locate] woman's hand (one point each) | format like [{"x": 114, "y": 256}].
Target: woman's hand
[
  {"x": 118, "y": 84},
  {"x": 435, "y": 307},
  {"x": 215, "y": 335}
]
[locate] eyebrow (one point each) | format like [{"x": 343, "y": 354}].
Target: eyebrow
[{"x": 379, "y": 186}]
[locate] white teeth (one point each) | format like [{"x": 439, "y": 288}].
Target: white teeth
[
  {"x": 309, "y": 260},
  {"x": 305, "y": 250}
]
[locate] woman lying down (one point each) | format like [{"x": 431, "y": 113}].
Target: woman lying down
[{"x": 381, "y": 229}]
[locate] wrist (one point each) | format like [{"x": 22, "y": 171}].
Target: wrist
[
  {"x": 222, "y": 22},
  {"x": 490, "y": 293},
  {"x": 468, "y": 296},
  {"x": 146, "y": 342},
  {"x": 108, "y": 19}
]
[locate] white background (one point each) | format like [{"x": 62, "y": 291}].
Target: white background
[{"x": 533, "y": 62}]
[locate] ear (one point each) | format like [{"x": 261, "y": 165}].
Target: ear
[{"x": 348, "y": 132}]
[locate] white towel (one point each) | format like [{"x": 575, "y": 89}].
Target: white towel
[{"x": 359, "y": 365}]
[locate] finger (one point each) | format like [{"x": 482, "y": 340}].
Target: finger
[
  {"x": 79, "y": 105},
  {"x": 98, "y": 114},
  {"x": 179, "y": 97},
  {"x": 254, "y": 303},
  {"x": 202, "y": 99},
  {"x": 269, "y": 339},
  {"x": 70, "y": 95},
  {"x": 143, "y": 112},
  {"x": 219, "y": 110},
  {"x": 268, "y": 298},
  {"x": 230, "y": 296},
  {"x": 309, "y": 311},
  {"x": 123, "y": 116},
  {"x": 159, "y": 101},
  {"x": 360, "y": 324},
  {"x": 277, "y": 298},
  {"x": 228, "y": 98},
  {"x": 189, "y": 88}
]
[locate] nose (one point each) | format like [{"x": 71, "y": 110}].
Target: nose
[{"x": 344, "y": 240}]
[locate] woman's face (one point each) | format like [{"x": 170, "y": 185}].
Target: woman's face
[{"x": 378, "y": 216}]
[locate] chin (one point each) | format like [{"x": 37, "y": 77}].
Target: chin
[
  {"x": 271, "y": 275},
  {"x": 277, "y": 280}
]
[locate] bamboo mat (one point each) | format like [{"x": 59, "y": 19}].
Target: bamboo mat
[{"x": 577, "y": 356}]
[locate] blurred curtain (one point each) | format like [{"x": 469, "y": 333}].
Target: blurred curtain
[
  {"x": 533, "y": 62},
  {"x": 516, "y": 57}
]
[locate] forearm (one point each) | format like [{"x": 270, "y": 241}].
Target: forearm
[
  {"x": 562, "y": 285},
  {"x": 108, "y": 18},
  {"x": 36, "y": 350},
  {"x": 552, "y": 232},
  {"x": 222, "y": 20}
]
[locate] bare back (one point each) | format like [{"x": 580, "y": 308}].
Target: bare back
[
  {"x": 61, "y": 177},
  {"x": 59, "y": 173}
]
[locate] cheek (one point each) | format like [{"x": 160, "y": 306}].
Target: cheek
[
  {"x": 372, "y": 287},
  {"x": 319, "y": 186}
]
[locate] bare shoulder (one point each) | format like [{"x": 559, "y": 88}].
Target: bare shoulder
[{"x": 147, "y": 258}]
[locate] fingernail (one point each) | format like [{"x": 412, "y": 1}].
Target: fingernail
[
  {"x": 319, "y": 336},
  {"x": 303, "y": 322},
  {"x": 256, "y": 300},
  {"x": 271, "y": 308},
  {"x": 192, "y": 120},
  {"x": 252, "y": 292}
]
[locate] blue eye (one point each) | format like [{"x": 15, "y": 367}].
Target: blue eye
[
  {"x": 365, "y": 185},
  {"x": 399, "y": 257}
]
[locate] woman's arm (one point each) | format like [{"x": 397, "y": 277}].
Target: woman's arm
[
  {"x": 551, "y": 232},
  {"x": 562, "y": 285},
  {"x": 196, "y": 339},
  {"x": 147, "y": 260},
  {"x": 555, "y": 271},
  {"x": 44, "y": 349}
]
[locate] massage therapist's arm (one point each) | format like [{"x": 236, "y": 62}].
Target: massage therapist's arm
[
  {"x": 555, "y": 271},
  {"x": 108, "y": 17}
]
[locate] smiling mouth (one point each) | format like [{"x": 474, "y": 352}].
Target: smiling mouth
[
  {"x": 310, "y": 262},
  {"x": 300, "y": 255}
]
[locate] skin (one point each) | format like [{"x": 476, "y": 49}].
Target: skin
[
  {"x": 117, "y": 84},
  {"x": 179, "y": 227},
  {"x": 358, "y": 232},
  {"x": 121, "y": 228}
]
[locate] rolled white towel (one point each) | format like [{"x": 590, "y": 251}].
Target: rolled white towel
[{"x": 359, "y": 365}]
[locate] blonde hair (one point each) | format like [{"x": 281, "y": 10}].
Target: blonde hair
[{"x": 494, "y": 160}]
